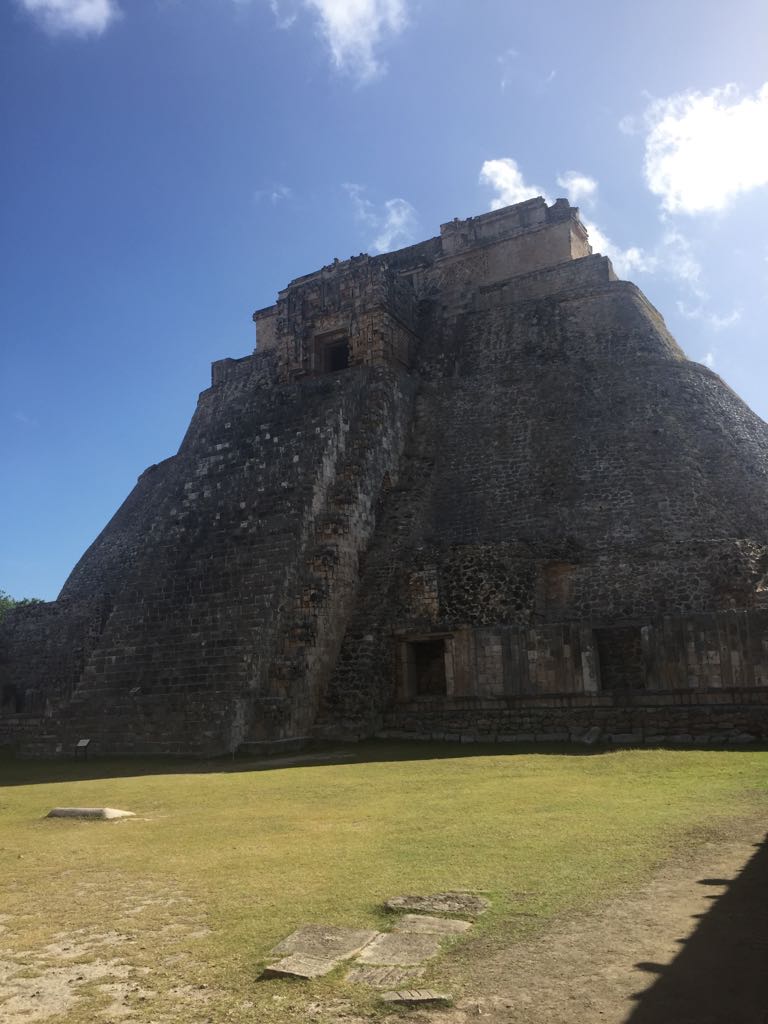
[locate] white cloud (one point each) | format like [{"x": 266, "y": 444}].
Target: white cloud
[
  {"x": 282, "y": 18},
  {"x": 364, "y": 209},
  {"x": 394, "y": 227},
  {"x": 675, "y": 255},
  {"x": 702, "y": 150},
  {"x": 625, "y": 261},
  {"x": 629, "y": 125},
  {"x": 506, "y": 178},
  {"x": 505, "y": 61},
  {"x": 27, "y": 421},
  {"x": 79, "y": 17},
  {"x": 709, "y": 359},
  {"x": 398, "y": 228},
  {"x": 354, "y": 30},
  {"x": 275, "y": 194},
  {"x": 516, "y": 70},
  {"x": 578, "y": 187},
  {"x": 706, "y": 316}
]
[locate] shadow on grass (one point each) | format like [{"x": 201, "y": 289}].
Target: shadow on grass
[
  {"x": 25, "y": 772},
  {"x": 720, "y": 975}
]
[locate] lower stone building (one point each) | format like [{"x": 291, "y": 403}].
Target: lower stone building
[{"x": 470, "y": 489}]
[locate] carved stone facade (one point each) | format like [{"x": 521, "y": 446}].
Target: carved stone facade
[
  {"x": 356, "y": 313},
  {"x": 470, "y": 489}
]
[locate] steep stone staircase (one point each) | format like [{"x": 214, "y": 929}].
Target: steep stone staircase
[{"x": 324, "y": 588}]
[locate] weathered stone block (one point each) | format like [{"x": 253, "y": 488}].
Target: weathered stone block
[
  {"x": 400, "y": 948},
  {"x": 423, "y": 924},
  {"x": 325, "y": 941}
]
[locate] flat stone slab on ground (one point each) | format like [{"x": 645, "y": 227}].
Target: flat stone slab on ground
[
  {"x": 300, "y": 966},
  {"x": 423, "y": 924},
  {"x": 419, "y": 996},
  {"x": 400, "y": 948},
  {"x": 384, "y": 977},
  {"x": 325, "y": 942},
  {"x": 101, "y": 813},
  {"x": 441, "y": 903}
]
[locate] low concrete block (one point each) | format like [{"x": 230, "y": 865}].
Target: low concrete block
[{"x": 100, "y": 813}]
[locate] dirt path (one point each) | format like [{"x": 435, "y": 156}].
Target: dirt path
[{"x": 690, "y": 948}]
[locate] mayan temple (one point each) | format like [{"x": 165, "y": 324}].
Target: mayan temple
[{"x": 472, "y": 489}]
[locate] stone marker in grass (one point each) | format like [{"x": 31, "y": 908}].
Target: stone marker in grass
[
  {"x": 400, "y": 948},
  {"x": 384, "y": 960},
  {"x": 99, "y": 813},
  {"x": 325, "y": 941},
  {"x": 315, "y": 949},
  {"x": 423, "y": 924},
  {"x": 384, "y": 977},
  {"x": 300, "y": 966},
  {"x": 468, "y": 903},
  {"x": 416, "y": 997}
]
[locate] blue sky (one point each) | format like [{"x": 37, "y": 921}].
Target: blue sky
[{"x": 168, "y": 165}]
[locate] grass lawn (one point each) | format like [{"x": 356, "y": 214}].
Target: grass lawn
[{"x": 171, "y": 915}]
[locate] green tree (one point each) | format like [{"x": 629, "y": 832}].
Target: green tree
[{"x": 7, "y": 603}]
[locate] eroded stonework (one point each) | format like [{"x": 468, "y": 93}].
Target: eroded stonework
[{"x": 470, "y": 489}]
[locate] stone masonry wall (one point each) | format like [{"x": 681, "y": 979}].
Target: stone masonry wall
[
  {"x": 49, "y": 642},
  {"x": 732, "y": 717},
  {"x": 566, "y": 465}
]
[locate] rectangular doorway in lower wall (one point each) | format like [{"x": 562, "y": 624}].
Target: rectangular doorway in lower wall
[
  {"x": 425, "y": 666},
  {"x": 620, "y": 653}
]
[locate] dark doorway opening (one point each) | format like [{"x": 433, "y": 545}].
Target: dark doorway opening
[
  {"x": 620, "y": 651},
  {"x": 332, "y": 353},
  {"x": 12, "y": 699},
  {"x": 429, "y": 668}
]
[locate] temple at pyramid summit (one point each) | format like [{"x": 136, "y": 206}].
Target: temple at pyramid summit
[{"x": 472, "y": 489}]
